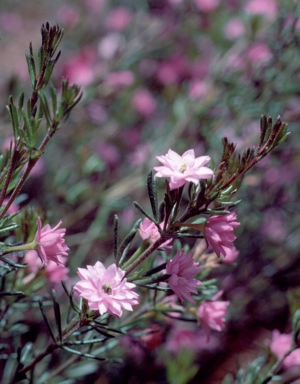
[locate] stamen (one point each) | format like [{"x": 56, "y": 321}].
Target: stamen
[
  {"x": 183, "y": 167},
  {"x": 106, "y": 288}
]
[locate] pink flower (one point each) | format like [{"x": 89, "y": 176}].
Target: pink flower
[
  {"x": 212, "y": 314},
  {"x": 109, "y": 45},
  {"x": 197, "y": 89},
  {"x": 234, "y": 29},
  {"x": 280, "y": 344},
  {"x": 230, "y": 255},
  {"x": 182, "y": 268},
  {"x": 183, "y": 338},
  {"x": 51, "y": 242},
  {"x": 267, "y": 8},
  {"x": 143, "y": 102},
  {"x": 105, "y": 289},
  {"x": 79, "y": 69},
  {"x": 68, "y": 15},
  {"x": 181, "y": 169},
  {"x": 119, "y": 79},
  {"x": 259, "y": 54},
  {"x": 53, "y": 272},
  {"x": 56, "y": 273},
  {"x": 13, "y": 208},
  {"x": 118, "y": 19},
  {"x": 149, "y": 231},
  {"x": 207, "y": 5},
  {"x": 219, "y": 232}
]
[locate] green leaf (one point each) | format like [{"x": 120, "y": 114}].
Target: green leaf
[{"x": 152, "y": 192}]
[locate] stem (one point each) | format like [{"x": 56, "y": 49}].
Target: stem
[
  {"x": 179, "y": 198},
  {"x": 136, "y": 254},
  {"x": 145, "y": 254},
  {"x": 276, "y": 366},
  {"x": 19, "y": 186},
  {"x": 23, "y": 247},
  {"x": 71, "y": 328},
  {"x": 49, "y": 349},
  {"x": 7, "y": 180}
]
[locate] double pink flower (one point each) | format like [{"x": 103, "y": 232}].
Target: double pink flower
[
  {"x": 182, "y": 269},
  {"x": 182, "y": 169},
  {"x": 51, "y": 242},
  {"x": 212, "y": 314},
  {"x": 219, "y": 234},
  {"x": 106, "y": 290}
]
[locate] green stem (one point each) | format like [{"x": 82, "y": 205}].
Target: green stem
[
  {"x": 23, "y": 247},
  {"x": 136, "y": 254},
  {"x": 276, "y": 366},
  {"x": 145, "y": 254},
  {"x": 7, "y": 180}
]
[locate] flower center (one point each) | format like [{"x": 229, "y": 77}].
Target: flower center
[
  {"x": 183, "y": 167},
  {"x": 106, "y": 288}
]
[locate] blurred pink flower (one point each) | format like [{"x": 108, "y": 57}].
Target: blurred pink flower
[
  {"x": 51, "y": 242},
  {"x": 182, "y": 268},
  {"x": 108, "y": 152},
  {"x": 33, "y": 261},
  {"x": 118, "y": 19},
  {"x": 173, "y": 70},
  {"x": 110, "y": 44},
  {"x": 259, "y": 54},
  {"x": 274, "y": 225},
  {"x": 119, "y": 79},
  {"x": 182, "y": 169},
  {"x": 11, "y": 22},
  {"x": 280, "y": 344},
  {"x": 197, "y": 89},
  {"x": 68, "y": 15},
  {"x": 267, "y": 8},
  {"x": 175, "y": 2},
  {"x": 230, "y": 255},
  {"x": 53, "y": 272},
  {"x": 141, "y": 154},
  {"x": 183, "y": 338},
  {"x": 56, "y": 273},
  {"x": 207, "y": 5},
  {"x": 13, "y": 208},
  {"x": 79, "y": 69},
  {"x": 106, "y": 290},
  {"x": 212, "y": 314},
  {"x": 143, "y": 102},
  {"x": 234, "y": 28},
  {"x": 218, "y": 232},
  {"x": 96, "y": 112},
  {"x": 148, "y": 231},
  {"x": 95, "y": 6}
]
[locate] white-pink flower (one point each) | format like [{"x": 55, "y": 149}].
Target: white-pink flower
[
  {"x": 182, "y": 268},
  {"x": 212, "y": 314},
  {"x": 105, "y": 289},
  {"x": 218, "y": 232},
  {"x": 182, "y": 169},
  {"x": 280, "y": 344},
  {"x": 51, "y": 242}
]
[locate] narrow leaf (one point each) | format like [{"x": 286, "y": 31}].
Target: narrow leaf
[
  {"x": 152, "y": 192},
  {"x": 46, "y": 320},
  {"x": 57, "y": 315}
]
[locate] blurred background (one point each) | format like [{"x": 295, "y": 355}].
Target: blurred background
[{"x": 177, "y": 74}]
